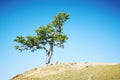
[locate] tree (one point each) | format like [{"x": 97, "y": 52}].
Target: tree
[{"x": 46, "y": 37}]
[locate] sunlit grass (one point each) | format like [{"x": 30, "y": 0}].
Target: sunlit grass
[
  {"x": 97, "y": 73},
  {"x": 107, "y": 72}
]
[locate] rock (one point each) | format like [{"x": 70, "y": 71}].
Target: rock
[{"x": 56, "y": 62}]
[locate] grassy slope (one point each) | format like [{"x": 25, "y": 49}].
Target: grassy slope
[{"x": 70, "y": 72}]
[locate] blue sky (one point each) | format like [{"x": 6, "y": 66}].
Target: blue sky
[{"x": 93, "y": 30}]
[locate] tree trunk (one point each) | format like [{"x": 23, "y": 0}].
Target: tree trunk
[{"x": 49, "y": 55}]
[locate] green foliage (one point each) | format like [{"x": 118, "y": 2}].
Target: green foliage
[{"x": 50, "y": 34}]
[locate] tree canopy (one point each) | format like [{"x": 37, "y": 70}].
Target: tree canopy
[{"x": 46, "y": 36}]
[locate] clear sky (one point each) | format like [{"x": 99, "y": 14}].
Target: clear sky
[{"x": 93, "y": 30}]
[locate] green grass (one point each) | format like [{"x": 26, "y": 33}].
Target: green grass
[{"x": 108, "y": 72}]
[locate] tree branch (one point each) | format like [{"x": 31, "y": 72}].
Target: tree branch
[{"x": 43, "y": 47}]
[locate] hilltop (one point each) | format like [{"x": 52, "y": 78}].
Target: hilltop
[{"x": 72, "y": 71}]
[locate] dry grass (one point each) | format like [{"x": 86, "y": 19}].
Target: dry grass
[{"x": 73, "y": 71}]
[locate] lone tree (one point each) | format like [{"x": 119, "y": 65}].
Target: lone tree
[{"x": 46, "y": 37}]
